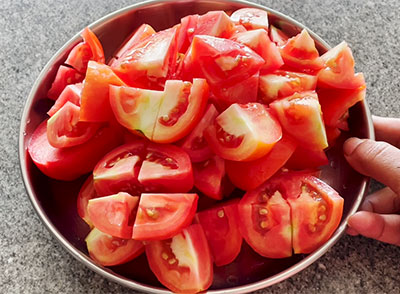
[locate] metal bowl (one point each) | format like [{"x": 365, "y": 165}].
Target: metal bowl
[{"x": 55, "y": 201}]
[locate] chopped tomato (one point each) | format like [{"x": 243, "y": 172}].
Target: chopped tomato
[
  {"x": 162, "y": 216},
  {"x": 183, "y": 263},
  {"x": 259, "y": 41},
  {"x": 280, "y": 84},
  {"x": 95, "y": 46},
  {"x": 251, "y": 18},
  {"x": 265, "y": 223},
  {"x": 209, "y": 177},
  {"x": 300, "y": 116},
  {"x": 108, "y": 250},
  {"x": 243, "y": 132},
  {"x": 250, "y": 174},
  {"x": 65, "y": 76},
  {"x": 316, "y": 213},
  {"x": 332, "y": 134},
  {"x": 195, "y": 144},
  {"x": 221, "y": 227},
  {"x": 69, "y": 163},
  {"x": 79, "y": 57},
  {"x": 95, "y": 105},
  {"x": 65, "y": 130},
  {"x": 114, "y": 214},
  {"x": 86, "y": 193},
  {"x": 186, "y": 32},
  {"x": 300, "y": 52},
  {"x": 338, "y": 69},
  {"x": 71, "y": 93},
  {"x": 307, "y": 159},
  {"x": 277, "y": 36},
  {"x": 213, "y": 23}
]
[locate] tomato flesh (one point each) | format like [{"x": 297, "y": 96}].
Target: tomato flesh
[
  {"x": 86, "y": 193},
  {"x": 71, "y": 93},
  {"x": 278, "y": 36},
  {"x": 79, "y": 57},
  {"x": 307, "y": 159},
  {"x": 162, "y": 216},
  {"x": 251, "y": 18},
  {"x": 183, "y": 263},
  {"x": 209, "y": 177},
  {"x": 65, "y": 76}
]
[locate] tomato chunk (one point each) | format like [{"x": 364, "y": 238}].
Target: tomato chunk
[
  {"x": 221, "y": 227},
  {"x": 71, "y": 93},
  {"x": 65, "y": 76},
  {"x": 277, "y": 36},
  {"x": 86, "y": 193},
  {"x": 209, "y": 177},
  {"x": 95, "y": 46},
  {"x": 79, "y": 57},
  {"x": 307, "y": 159},
  {"x": 243, "y": 132},
  {"x": 114, "y": 214},
  {"x": 108, "y": 250},
  {"x": 213, "y": 23},
  {"x": 183, "y": 263},
  {"x": 251, "y": 18},
  {"x": 162, "y": 216}
]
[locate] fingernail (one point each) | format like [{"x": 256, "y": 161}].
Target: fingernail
[{"x": 350, "y": 145}]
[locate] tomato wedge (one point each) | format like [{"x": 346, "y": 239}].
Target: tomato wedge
[
  {"x": 213, "y": 23},
  {"x": 277, "y": 36},
  {"x": 108, "y": 250},
  {"x": 183, "y": 264},
  {"x": 265, "y": 223},
  {"x": 243, "y": 132},
  {"x": 114, "y": 214},
  {"x": 65, "y": 76},
  {"x": 65, "y": 130},
  {"x": 71, "y": 93},
  {"x": 95, "y": 46},
  {"x": 209, "y": 177},
  {"x": 221, "y": 227},
  {"x": 79, "y": 57},
  {"x": 86, "y": 193},
  {"x": 307, "y": 159},
  {"x": 162, "y": 216},
  {"x": 300, "y": 116},
  {"x": 251, "y": 18},
  {"x": 249, "y": 175}
]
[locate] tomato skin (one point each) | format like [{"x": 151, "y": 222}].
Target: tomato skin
[
  {"x": 71, "y": 93},
  {"x": 95, "y": 104},
  {"x": 239, "y": 133},
  {"x": 300, "y": 116},
  {"x": 108, "y": 250},
  {"x": 65, "y": 76},
  {"x": 189, "y": 248},
  {"x": 95, "y": 46},
  {"x": 209, "y": 177},
  {"x": 264, "y": 221},
  {"x": 114, "y": 214},
  {"x": 79, "y": 57},
  {"x": 251, "y": 18},
  {"x": 221, "y": 227},
  {"x": 162, "y": 216},
  {"x": 86, "y": 193},
  {"x": 67, "y": 164},
  {"x": 307, "y": 159},
  {"x": 316, "y": 213},
  {"x": 195, "y": 144},
  {"x": 250, "y": 174}
]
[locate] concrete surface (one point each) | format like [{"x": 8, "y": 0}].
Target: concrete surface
[{"x": 32, "y": 261}]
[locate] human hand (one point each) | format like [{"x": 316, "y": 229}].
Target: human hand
[{"x": 378, "y": 218}]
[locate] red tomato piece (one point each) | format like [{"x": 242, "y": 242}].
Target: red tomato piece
[
  {"x": 265, "y": 223},
  {"x": 209, "y": 177},
  {"x": 282, "y": 83},
  {"x": 332, "y": 134},
  {"x": 221, "y": 227},
  {"x": 71, "y": 93},
  {"x": 300, "y": 116},
  {"x": 336, "y": 102},
  {"x": 277, "y": 36},
  {"x": 183, "y": 264},
  {"x": 162, "y": 216},
  {"x": 250, "y": 174},
  {"x": 136, "y": 38},
  {"x": 316, "y": 213},
  {"x": 86, "y": 193},
  {"x": 69, "y": 163},
  {"x": 65, "y": 76},
  {"x": 238, "y": 29},
  {"x": 79, "y": 57},
  {"x": 213, "y": 23},
  {"x": 195, "y": 144},
  {"x": 259, "y": 41},
  {"x": 166, "y": 168},
  {"x": 95, "y": 46},
  {"x": 114, "y": 214},
  {"x": 222, "y": 62},
  {"x": 65, "y": 130},
  {"x": 300, "y": 52},
  {"x": 95, "y": 105},
  {"x": 307, "y": 159},
  {"x": 338, "y": 69},
  {"x": 118, "y": 170},
  {"x": 186, "y": 32},
  {"x": 243, "y": 132},
  {"x": 108, "y": 250},
  {"x": 251, "y": 18}
]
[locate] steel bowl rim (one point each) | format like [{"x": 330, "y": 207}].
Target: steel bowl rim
[{"x": 105, "y": 272}]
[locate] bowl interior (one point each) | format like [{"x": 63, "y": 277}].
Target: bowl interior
[{"x": 55, "y": 201}]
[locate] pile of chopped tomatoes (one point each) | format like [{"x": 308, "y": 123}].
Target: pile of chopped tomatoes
[{"x": 212, "y": 105}]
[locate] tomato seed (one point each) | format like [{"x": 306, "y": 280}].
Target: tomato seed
[
  {"x": 263, "y": 211},
  {"x": 164, "y": 256},
  {"x": 312, "y": 228},
  {"x": 322, "y": 217},
  {"x": 172, "y": 261},
  {"x": 220, "y": 213},
  {"x": 152, "y": 212},
  {"x": 263, "y": 224}
]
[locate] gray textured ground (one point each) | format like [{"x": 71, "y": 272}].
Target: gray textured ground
[{"x": 31, "y": 261}]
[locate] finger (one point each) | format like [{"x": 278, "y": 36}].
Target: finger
[
  {"x": 387, "y": 129},
  {"x": 378, "y": 160},
  {"x": 385, "y": 228},
  {"x": 382, "y": 201}
]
